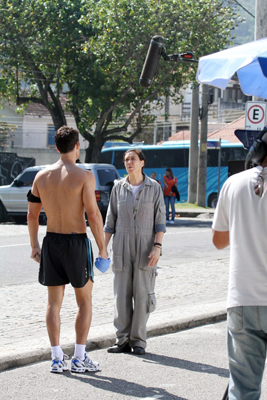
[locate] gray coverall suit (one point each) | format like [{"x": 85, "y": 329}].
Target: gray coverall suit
[{"x": 134, "y": 225}]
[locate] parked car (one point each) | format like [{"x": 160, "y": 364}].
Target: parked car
[{"x": 13, "y": 200}]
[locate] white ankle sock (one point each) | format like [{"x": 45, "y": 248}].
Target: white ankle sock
[
  {"x": 79, "y": 351},
  {"x": 56, "y": 351}
]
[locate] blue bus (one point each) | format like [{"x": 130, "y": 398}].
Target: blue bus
[{"x": 175, "y": 154}]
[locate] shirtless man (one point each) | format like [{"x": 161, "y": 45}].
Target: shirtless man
[{"x": 65, "y": 191}]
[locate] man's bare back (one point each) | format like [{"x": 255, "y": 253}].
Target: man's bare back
[{"x": 65, "y": 191}]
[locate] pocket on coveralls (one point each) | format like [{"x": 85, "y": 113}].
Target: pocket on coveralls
[
  {"x": 152, "y": 302},
  {"x": 147, "y": 211}
]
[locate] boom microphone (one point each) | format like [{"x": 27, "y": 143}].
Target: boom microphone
[{"x": 151, "y": 61}]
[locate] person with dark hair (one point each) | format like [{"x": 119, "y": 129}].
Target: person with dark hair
[
  {"x": 136, "y": 219},
  {"x": 169, "y": 194},
  {"x": 66, "y": 138},
  {"x": 64, "y": 191},
  {"x": 239, "y": 221},
  {"x": 153, "y": 175}
]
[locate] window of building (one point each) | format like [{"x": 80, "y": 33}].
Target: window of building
[{"x": 51, "y": 135}]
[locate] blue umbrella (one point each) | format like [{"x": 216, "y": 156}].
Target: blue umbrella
[{"x": 249, "y": 61}]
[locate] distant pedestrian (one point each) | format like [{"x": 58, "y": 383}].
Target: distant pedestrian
[
  {"x": 169, "y": 194},
  {"x": 153, "y": 175},
  {"x": 64, "y": 191},
  {"x": 136, "y": 219},
  {"x": 240, "y": 220}
]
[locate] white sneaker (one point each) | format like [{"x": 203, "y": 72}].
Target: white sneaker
[
  {"x": 78, "y": 365},
  {"x": 167, "y": 221},
  {"x": 59, "y": 365},
  {"x": 171, "y": 222}
]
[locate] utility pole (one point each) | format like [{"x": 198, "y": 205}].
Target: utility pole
[
  {"x": 260, "y": 26},
  {"x": 166, "y": 122},
  {"x": 193, "y": 150},
  {"x": 155, "y": 136},
  {"x": 202, "y": 159},
  {"x": 260, "y": 19}
]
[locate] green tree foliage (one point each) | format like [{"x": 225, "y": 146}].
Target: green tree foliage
[{"x": 94, "y": 52}]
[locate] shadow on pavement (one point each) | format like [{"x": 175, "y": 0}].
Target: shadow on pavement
[
  {"x": 185, "y": 364},
  {"x": 123, "y": 387}
]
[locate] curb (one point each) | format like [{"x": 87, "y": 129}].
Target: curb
[
  {"x": 108, "y": 340},
  {"x": 189, "y": 213},
  {"x": 193, "y": 214}
]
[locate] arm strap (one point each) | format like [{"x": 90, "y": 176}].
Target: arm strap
[{"x": 32, "y": 198}]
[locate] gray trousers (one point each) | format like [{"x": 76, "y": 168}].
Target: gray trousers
[{"x": 134, "y": 293}]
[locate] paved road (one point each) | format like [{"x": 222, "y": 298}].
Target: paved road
[
  {"x": 188, "y": 365},
  {"x": 190, "y": 290},
  {"x": 186, "y": 241}
]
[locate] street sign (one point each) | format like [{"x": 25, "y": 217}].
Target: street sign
[
  {"x": 255, "y": 115},
  {"x": 213, "y": 144}
]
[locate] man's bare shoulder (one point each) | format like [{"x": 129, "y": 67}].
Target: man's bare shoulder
[
  {"x": 82, "y": 174},
  {"x": 69, "y": 168},
  {"x": 89, "y": 176},
  {"x": 43, "y": 172}
]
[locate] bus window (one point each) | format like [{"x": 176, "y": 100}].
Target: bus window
[
  {"x": 105, "y": 157},
  {"x": 118, "y": 159},
  {"x": 176, "y": 158},
  {"x": 173, "y": 158},
  {"x": 227, "y": 154},
  {"x": 212, "y": 158},
  {"x": 232, "y": 154},
  {"x": 153, "y": 158}
]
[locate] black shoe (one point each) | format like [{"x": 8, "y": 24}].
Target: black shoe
[
  {"x": 139, "y": 350},
  {"x": 124, "y": 348}
]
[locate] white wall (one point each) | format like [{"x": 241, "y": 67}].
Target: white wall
[
  {"x": 35, "y": 131},
  {"x": 42, "y": 156},
  {"x": 8, "y": 115}
]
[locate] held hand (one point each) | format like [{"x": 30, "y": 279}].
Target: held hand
[
  {"x": 154, "y": 257},
  {"x": 103, "y": 254},
  {"x": 36, "y": 254}
]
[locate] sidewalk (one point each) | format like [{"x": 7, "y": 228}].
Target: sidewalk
[{"x": 188, "y": 295}]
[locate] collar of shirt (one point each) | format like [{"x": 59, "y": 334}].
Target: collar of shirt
[{"x": 147, "y": 182}]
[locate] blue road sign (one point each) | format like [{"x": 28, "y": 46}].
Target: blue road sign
[{"x": 246, "y": 137}]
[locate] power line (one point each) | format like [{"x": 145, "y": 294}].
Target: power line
[{"x": 240, "y": 5}]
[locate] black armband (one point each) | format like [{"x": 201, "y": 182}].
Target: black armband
[{"x": 32, "y": 198}]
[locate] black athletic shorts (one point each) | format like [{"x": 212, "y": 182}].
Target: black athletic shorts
[{"x": 66, "y": 259}]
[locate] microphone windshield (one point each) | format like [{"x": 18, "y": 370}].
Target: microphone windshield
[{"x": 151, "y": 61}]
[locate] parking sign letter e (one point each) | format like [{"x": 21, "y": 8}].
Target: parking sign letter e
[{"x": 256, "y": 114}]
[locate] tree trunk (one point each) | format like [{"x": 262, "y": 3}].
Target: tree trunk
[
  {"x": 56, "y": 111},
  {"x": 92, "y": 153},
  {"x": 58, "y": 118}
]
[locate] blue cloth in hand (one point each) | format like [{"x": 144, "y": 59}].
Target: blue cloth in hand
[{"x": 102, "y": 264}]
